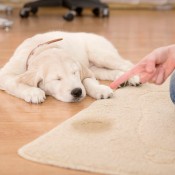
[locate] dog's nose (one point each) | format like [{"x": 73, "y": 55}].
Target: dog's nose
[{"x": 76, "y": 92}]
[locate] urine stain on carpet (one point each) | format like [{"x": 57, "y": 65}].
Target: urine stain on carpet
[{"x": 92, "y": 126}]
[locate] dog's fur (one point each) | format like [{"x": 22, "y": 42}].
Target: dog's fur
[{"x": 66, "y": 70}]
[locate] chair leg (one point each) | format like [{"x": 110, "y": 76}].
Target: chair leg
[{"x": 75, "y": 7}]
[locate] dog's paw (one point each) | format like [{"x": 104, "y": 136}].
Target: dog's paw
[
  {"x": 134, "y": 81},
  {"x": 34, "y": 95},
  {"x": 103, "y": 92}
]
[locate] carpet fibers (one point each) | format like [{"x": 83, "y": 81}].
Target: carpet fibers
[{"x": 132, "y": 133}]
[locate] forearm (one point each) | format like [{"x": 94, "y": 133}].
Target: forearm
[{"x": 171, "y": 54}]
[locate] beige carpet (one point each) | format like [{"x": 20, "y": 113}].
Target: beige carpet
[{"x": 130, "y": 134}]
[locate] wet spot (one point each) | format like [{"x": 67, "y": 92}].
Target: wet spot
[{"x": 92, "y": 125}]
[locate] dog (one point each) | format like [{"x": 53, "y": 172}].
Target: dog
[{"x": 64, "y": 65}]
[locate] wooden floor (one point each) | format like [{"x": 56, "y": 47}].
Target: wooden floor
[{"x": 134, "y": 33}]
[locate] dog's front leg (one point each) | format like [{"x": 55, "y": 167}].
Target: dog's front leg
[
  {"x": 10, "y": 84},
  {"x": 95, "y": 90}
]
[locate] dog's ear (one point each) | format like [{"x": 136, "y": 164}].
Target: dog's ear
[
  {"x": 31, "y": 78},
  {"x": 85, "y": 72}
]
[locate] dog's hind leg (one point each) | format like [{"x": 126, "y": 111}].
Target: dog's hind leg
[
  {"x": 105, "y": 74},
  {"x": 108, "y": 65},
  {"x": 111, "y": 75}
]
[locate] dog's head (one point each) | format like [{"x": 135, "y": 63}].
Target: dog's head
[{"x": 57, "y": 74}]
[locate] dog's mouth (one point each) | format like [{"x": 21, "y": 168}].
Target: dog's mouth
[{"x": 77, "y": 99}]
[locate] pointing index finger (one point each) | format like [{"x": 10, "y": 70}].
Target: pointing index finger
[{"x": 136, "y": 70}]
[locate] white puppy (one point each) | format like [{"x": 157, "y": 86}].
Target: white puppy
[{"x": 65, "y": 69}]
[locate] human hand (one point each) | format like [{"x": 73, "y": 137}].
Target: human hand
[{"x": 154, "y": 68}]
